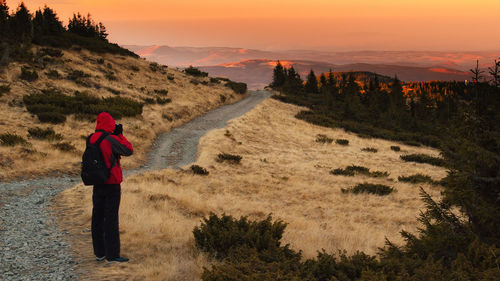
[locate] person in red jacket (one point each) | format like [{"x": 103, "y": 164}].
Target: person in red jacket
[{"x": 106, "y": 197}]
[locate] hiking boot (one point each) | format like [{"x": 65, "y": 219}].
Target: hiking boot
[
  {"x": 118, "y": 259},
  {"x": 100, "y": 258}
]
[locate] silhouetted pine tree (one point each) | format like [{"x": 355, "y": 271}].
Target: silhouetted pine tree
[
  {"x": 4, "y": 21},
  {"x": 495, "y": 73},
  {"x": 477, "y": 73},
  {"x": 311, "y": 85},
  {"x": 278, "y": 76},
  {"x": 20, "y": 24},
  {"x": 293, "y": 82},
  {"x": 323, "y": 84}
]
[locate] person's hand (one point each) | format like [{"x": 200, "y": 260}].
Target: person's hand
[{"x": 118, "y": 129}]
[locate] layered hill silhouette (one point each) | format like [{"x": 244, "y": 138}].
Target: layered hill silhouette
[
  {"x": 258, "y": 73},
  {"x": 254, "y": 67}
]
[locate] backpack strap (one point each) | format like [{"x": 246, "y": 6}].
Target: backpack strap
[{"x": 99, "y": 140}]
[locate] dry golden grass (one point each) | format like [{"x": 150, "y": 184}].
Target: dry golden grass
[
  {"x": 283, "y": 172},
  {"x": 188, "y": 101}
]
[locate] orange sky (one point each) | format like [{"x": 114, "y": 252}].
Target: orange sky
[{"x": 295, "y": 24}]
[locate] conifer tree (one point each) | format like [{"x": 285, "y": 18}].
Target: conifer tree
[
  {"x": 311, "y": 85},
  {"x": 293, "y": 83},
  {"x": 477, "y": 73},
  {"x": 278, "y": 76},
  {"x": 21, "y": 25},
  {"x": 323, "y": 83},
  {"x": 331, "y": 79},
  {"x": 495, "y": 73},
  {"x": 102, "y": 32},
  {"x": 4, "y": 20}
]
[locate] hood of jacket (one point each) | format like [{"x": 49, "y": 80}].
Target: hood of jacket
[{"x": 105, "y": 122}]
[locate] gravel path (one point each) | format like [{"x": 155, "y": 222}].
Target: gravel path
[{"x": 31, "y": 245}]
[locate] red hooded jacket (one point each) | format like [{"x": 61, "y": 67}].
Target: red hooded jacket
[{"x": 112, "y": 147}]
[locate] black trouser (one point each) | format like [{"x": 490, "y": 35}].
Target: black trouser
[{"x": 105, "y": 235}]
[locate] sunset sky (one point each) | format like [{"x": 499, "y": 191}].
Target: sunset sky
[{"x": 295, "y": 24}]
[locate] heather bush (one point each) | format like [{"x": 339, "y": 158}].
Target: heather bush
[
  {"x": 225, "y": 157},
  {"x": 52, "y": 106},
  {"x": 44, "y": 134},
  {"x": 395, "y": 148},
  {"x": 222, "y": 98},
  {"x": 323, "y": 139},
  {"x": 377, "y": 189},
  {"x": 193, "y": 71},
  {"x": 4, "y": 89},
  {"x": 134, "y": 68},
  {"x": 64, "y": 146},
  {"x": 342, "y": 141},
  {"x": 423, "y": 158},
  {"x": 237, "y": 87},
  {"x": 8, "y": 139},
  {"x": 198, "y": 170},
  {"x": 53, "y": 74},
  {"x": 51, "y": 52},
  {"x": 417, "y": 178},
  {"x": 51, "y": 117},
  {"x": 28, "y": 74},
  {"x": 369, "y": 149},
  {"x": 220, "y": 236},
  {"x": 163, "y": 101},
  {"x": 162, "y": 92},
  {"x": 353, "y": 169}
]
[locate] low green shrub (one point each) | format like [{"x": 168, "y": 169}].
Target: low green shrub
[
  {"x": 44, "y": 134},
  {"x": 423, "y": 158},
  {"x": 75, "y": 75},
  {"x": 64, "y": 146},
  {"x": 163, "y": 101},
  {"x": 109, "y": 66},
  {"x": 51, "y": 117},
  {"x": 55, "y": 53},
  {"x": 395, "y": 148},
  {"x": 235, "y": 159},
  {"x": 162, "y": 92},
  {"x": 377, "y": 189},
  {"x": 417, "y": 178},
  {"x": 194, "y": 82},
  {"x": 52, "y": 106},
  {"x": 237, "y": 87},
  {"x": 214, "y": 80},
  {"x": 198, "y": 170},
  {"x": 222, "y": 98},
  {"x": 342, "y": 141},
  {"x": 353, "y": 169},
  {"x": 4, "y": 89},
  {"x": 170, "y": 77},
  {"x": 220, "y": 236},
  {"x": 193, "y": 71},
  {"x": 323, "y": 138},
  {"x": 149, "y": 100},
  {"x": 100, "y": 61},
  {"x": 111, "y": 76},
  {"x": 154, "y": 67},
  {"x": 412, "y": 143},
  {"x": 8, "y": 139},
  {"x": 134, "y": 68},
  {"x": 369, "y": 149},
  {"x": 28, "y": 74},
  {"x": 53, "y": 74},
  {"x": 342, "y": 172}
]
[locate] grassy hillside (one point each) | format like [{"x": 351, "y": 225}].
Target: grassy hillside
[
  {"x": 285, "y": 169},
  {"x": 169, "y": 98}
]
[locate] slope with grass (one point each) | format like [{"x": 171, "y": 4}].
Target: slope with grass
[
  {"x": 283, "y": 170},
  {"x": 169, "y": 97}
]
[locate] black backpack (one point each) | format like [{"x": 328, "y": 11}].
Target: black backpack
[{"x": 94, "y": 169}]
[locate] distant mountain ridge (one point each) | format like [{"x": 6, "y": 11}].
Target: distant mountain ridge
[
  {"x": 257, "y": 73},
  {"x": 209, "y": 56}
]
